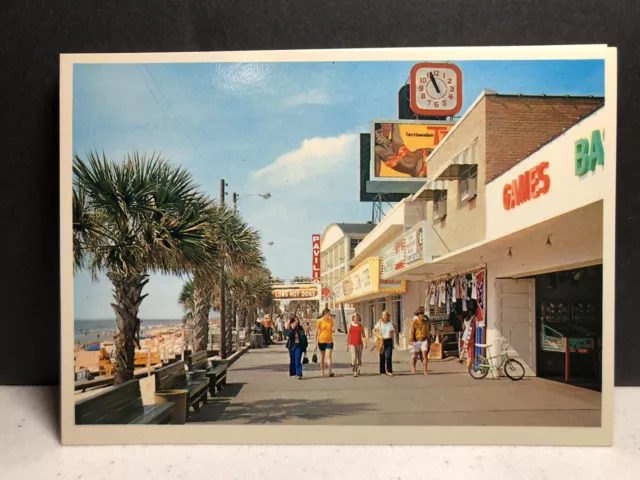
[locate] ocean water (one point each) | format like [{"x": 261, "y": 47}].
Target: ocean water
[{"x": 88, "y": 331}]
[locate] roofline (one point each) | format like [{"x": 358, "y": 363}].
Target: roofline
[{"x": 522, "y": 95}]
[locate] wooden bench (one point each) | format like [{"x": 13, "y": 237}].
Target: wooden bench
[
  {"x": 174, "y": 377},
  {"x": 121, "y": 405},
  {"x": 217, "y": 374}
]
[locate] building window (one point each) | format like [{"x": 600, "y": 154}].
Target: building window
[
  {"x": 468, "y": 183},
  {"x": 440, "y": 205},
  {"x": 352, "y": 247}
]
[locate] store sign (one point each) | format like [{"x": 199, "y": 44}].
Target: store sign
[
  {"x": 365, "y": 280},
  {"x": 564, "y": 175},
  {"x": 588, "y": 155},
  {"x": 309, "y": 291},
  {"x": 393, "y": 257},
  {"x": 315, "y": 248},
  {"x": 414, "y": 245},
  {"x": 527, "y": 186}
]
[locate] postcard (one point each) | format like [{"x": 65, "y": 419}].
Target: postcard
[{"x": 378, "y": 246}]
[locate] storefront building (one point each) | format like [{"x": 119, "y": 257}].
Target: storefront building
[
  {"x": 337, "y": 248},
  {"x": 513, "y": 197}
]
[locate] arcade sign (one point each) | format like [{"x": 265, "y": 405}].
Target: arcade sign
[{"x": 529, "y": 185}]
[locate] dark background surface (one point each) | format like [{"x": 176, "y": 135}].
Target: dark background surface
[{"x": 34, "y": 33}]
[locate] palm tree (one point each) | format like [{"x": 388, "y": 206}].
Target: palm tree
[
  {"x": 236, "y": 246},
  {"x": 186, "y": 300},
  {"x": 132, "y": 218}
]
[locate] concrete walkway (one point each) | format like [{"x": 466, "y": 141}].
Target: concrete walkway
[{"x": 260, "y": 391}]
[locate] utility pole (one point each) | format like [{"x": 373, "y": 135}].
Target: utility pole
[
  {"x": 223, "y": 327},
  {"x": 233, "y": 308}
]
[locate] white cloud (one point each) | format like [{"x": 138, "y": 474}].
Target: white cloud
[
  {"x": 315, "y": 157},
  {"x": 310, "y": 97}
]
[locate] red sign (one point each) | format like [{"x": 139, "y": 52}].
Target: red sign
[
  {"x": 529, "y": 185},
  {"x": 315, "y": 266},
  {"x": 326, "y": 291}
]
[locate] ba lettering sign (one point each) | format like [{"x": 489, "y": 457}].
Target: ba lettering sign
[
  {"x": 315, "y": 248},
  {"x": 589, "y": 154},
  {"x": 527, "y": 186}
]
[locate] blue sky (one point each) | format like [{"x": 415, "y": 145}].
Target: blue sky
[{"x": 290, "y": 129}]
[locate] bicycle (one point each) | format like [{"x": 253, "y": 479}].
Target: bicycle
[{"x": 481, "y": 366}]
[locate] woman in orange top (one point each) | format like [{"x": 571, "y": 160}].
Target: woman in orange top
[
  {"x": 324, "y": 340},
  {"x": 355, "y": 338}
]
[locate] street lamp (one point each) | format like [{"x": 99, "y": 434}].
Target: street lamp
[{"x": 237, "y": 197}]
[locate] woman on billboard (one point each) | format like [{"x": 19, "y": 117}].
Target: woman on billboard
[{"x": 391, "y": 151}]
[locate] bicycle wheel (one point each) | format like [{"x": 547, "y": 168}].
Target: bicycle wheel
[
  {"x": 514, "y": 369},
  {"x": 479, "y": 368}
]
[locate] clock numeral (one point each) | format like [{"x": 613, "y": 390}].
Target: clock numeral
[
  {"x": 449, "y": 81},
  {"x": 423, "y": 79},
  {"x": 450, "y": 97},
  {"x": 444, "y": 103},
  {"x": 452, "y": 89},
  {"x": 436, "y": 73},
  {"x": 436, "y": 104},
  {"x": 422, "y": 96},
  {"x": 420, "y": 88}
]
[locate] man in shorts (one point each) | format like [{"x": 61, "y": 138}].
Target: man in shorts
[
  {"x": 324, "y": 340},
  {"x": 419, "y": 337}
]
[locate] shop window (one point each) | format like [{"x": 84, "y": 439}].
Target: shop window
[
  {"x": 468, "y": 183},
  {"x": 440, "y": 205},
  {"x": 352, "y": 246}
]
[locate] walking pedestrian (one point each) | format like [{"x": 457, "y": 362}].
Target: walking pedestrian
[
  {"x": 324, "y": 340},
  {"x": 355, "y": 338},
  {"x": 385, "y": 331},
  {"x": 280, "y": 326},
  {"x": 419, "y": 338},
  {"x": 297, "y": 346}
]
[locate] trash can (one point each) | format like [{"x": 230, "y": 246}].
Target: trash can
[
  {"x": 179, "y": 399},
  {"x": 256, "y": 340}
]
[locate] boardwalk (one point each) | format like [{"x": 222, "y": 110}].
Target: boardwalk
[{"x": 261, "y": 392}]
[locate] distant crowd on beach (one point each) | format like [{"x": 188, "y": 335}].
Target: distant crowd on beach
[{"x": 298, "y": 333}]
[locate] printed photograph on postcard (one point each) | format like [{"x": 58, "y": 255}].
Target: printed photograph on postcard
[{"x": 367, "y": 246}]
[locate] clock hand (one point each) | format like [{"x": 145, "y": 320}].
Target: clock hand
[{"x": 435, "y": 84}]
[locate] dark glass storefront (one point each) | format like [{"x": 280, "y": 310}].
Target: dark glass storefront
[{"x": 569, "y": 317}]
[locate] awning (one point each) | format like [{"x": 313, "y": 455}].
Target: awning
[
  {"x": 428, "y": 191},
  {"x": 450, "y": 169}
]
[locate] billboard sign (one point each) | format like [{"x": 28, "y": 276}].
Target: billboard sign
[
  {"x": 302, "y": 291},
  {"x": 401, "y": 148},
  {"x": 315, "y": 265}
]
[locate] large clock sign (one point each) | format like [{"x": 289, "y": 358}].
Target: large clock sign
[{"x": 436, "y": 89}]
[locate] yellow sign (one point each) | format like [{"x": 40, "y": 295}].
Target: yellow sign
[
  {"x": 364, "y": 280},
  {"x": 401, "y": 149}
]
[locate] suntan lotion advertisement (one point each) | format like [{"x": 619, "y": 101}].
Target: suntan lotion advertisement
[{"x": 401, "y": 149}]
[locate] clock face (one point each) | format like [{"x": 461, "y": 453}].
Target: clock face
[{"x": 436, "y": 89}]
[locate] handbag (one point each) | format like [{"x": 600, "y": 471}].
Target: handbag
[
  {"x": 314, "y": 358},
  {"x": 305, "y": 359}
]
